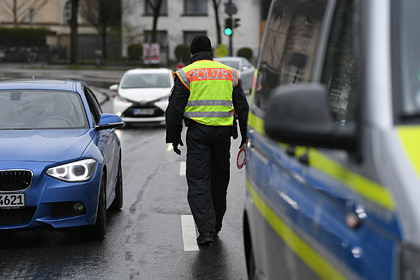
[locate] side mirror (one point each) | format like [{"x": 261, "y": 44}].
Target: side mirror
[
  {"x": 245, "y": 67},
  {"x": 300, "y": 115},
  {"x": 114, "y": 87},
  {"x": 108, "y": 121}
]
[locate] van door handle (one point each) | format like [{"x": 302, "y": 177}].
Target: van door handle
[
  {"x": 291, "y": 150},
  {"x": 304, "y": 158}
]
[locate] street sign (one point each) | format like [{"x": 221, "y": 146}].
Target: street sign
[{"x": 230, "y": 8}]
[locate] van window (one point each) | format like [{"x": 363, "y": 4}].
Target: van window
[
  {"x": 289, "y": 47},
  {"x": 339, "y": 73},
  {"x": 409, "y": 45}
]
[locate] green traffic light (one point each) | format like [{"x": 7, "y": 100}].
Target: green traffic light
[{"x": 228, "y": 31}]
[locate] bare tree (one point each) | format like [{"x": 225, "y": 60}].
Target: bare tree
[
  {"x": 102, "y": 14},
  {"x": 18, "y": 10},
  {"x": 73, "y": 35},
  {"x": 216, "y": 4},
  {"x": 155, "y": 5}
]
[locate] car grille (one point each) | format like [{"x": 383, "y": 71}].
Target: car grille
[
  {"x": 15, "y": 180},
  {"x": 16, "y": 216}
]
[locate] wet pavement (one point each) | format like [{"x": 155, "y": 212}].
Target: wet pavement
[{"x": 145, "y": 239}]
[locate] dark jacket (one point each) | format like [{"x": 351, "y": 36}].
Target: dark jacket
[{"x": 179, "y": 98}]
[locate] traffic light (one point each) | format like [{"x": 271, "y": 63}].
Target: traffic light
[
  {"x": 237, "y": 22},
  {"x": 228, "y": 26}
]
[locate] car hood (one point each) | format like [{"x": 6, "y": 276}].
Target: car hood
[
  {"x": 146, "y": 94},
  {"x": 43, "y": 145}
]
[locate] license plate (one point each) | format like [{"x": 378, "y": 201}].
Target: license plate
[
  {"x": 12, "y": 200},
  {"x": 143, "y": 112}
]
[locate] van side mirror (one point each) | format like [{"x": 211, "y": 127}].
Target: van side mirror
[{"x": 300, "y": 115}]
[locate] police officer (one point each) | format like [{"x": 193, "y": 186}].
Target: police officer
[{"x": 206, "y": 94}]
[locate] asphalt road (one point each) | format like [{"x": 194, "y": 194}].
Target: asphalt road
[{"x": 147, "y": 239}]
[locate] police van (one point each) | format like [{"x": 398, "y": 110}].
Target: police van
[{"x": 333, "y": 152}]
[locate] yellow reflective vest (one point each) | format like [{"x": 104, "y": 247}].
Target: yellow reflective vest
[{"x": 211, "y": 85}]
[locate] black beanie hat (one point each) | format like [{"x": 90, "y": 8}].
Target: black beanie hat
[{"x": 200, "y": 43}]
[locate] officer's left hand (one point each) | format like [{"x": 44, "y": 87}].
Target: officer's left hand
[{"x": 175, "y": 145}]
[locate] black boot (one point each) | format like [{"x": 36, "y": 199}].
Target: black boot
[{"x": 205, "y": 238}]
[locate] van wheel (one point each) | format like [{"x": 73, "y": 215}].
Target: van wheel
[
  {"x": 252, "y": 269},
  {"x": 97, "y": 231},
  {"x": 118, "y": 201}
]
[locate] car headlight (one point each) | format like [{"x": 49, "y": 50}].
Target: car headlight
[
  {"x": 409, "y": 262},
  {"x": 78, "y": 171},
  {"x": 122, "y": 98}
]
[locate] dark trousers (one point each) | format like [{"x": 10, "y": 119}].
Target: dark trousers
[{"x": 208, "y": 174}]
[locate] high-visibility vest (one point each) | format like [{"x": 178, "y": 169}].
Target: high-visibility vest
[{"x": 211, "y": 85}]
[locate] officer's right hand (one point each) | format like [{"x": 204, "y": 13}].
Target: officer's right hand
[{"x": 175, "y": 145}]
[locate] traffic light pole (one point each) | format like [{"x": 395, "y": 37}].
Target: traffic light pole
[
  {"x": 230, "y": 37},
  {"x": 230, "y": 9}
]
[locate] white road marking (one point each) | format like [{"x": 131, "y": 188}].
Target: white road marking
[
  {"x": 188, "y": 233},
  {"x": 182, "y": 168}
]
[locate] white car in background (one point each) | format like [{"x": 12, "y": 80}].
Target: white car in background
[
  {"x": 142, "y": 95},
  {"x": 245, "y": 70}
]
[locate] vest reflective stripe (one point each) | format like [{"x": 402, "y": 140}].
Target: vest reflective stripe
[
  {"x": 235, "y": 79},
  {"x": 192, "y": 115},
  {"x": 209, "y": 103},
  {"x": 211, "y": 86},
  {"x": 183, "y": 77}
]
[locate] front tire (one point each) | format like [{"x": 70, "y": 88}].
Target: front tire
[
  {"x": 252, "y": 269},
  {"x": 97, "y": 231},
  {"x": 118, "y": 200}
]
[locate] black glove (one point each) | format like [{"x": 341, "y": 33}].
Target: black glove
[
  {"x": 175, "y": 145},
  {"x": 243, "y": 142}
]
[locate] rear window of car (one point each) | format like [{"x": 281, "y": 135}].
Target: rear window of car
[
  {"x": 146, "y": 80},
  {"x": 230, "y": 63},
  {"x": 41, "y": 109}
]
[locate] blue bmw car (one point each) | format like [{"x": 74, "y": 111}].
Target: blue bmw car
[{"x": 60, "y": 158}]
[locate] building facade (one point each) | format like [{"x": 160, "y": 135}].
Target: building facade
[
  {"x": 55, "y": 15},
  {"x": 181, "y": 20}
]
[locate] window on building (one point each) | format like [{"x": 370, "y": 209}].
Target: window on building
[
  {"x": 149, "y": 10},
  {"x": 67, "y": 13},
  {"x": 189, "y": 35},
  {"x": 195, "y": 7},
  {"x": 161, "y": 37}
]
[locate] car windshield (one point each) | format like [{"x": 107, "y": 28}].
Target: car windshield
[
  {"x": 41, "y": 109},
  {"x": 410, "y": 57},
  {"x": 146, "y": 80},
  {"x": 230, "y": 63}
]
